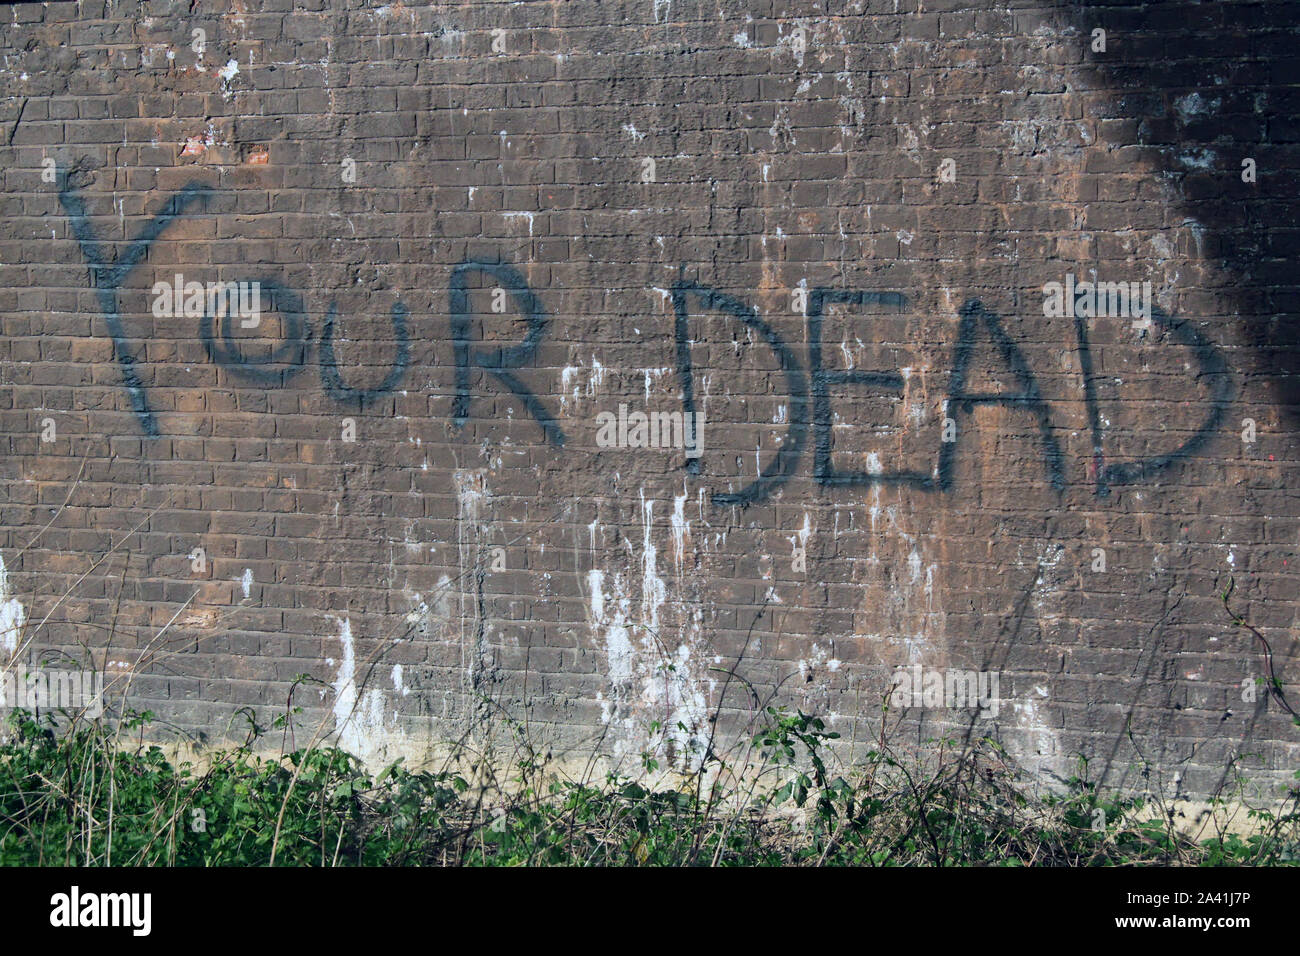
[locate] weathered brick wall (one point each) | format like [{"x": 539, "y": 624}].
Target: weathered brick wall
[{"x": 478, "y": 227}]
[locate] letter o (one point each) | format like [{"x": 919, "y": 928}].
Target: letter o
[{"x": 282, "y": 364}]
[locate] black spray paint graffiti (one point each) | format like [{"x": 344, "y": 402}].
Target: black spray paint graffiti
[
  {"x": 822, "y": 380},
  {"x": 813, "y": 391},
  {"x": 329, "y": 367},
  {"x": 107, "y": 279},
  {"x": 1213, "y": 367},
  {"x": 973, "y": 315},
  {"x": 974, "y": 318},
  {"x": 290, "y": 356},
  {"x": 786, "y": 460},
  {"x": 502, "y": 360},
  {"x": 286, "y": 360}
]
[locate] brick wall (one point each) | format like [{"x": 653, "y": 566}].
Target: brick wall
[{"x": 479, "y": 229}]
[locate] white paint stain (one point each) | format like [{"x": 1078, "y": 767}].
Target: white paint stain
[
  {"x": 799, "y": 540},
  {"x": 656, "y": 701},
  {"x": 12, "y": 614},
  {"x": 359, "y": 723},
  {"x": 571, "y": 386},
  {"x": 470, "y": 493},
  {"x": 227, "y": 74},
  {"x": 528, "y": 216},
  {"x": 618, "y": 644},
  {"x": 681, "y": 528}
]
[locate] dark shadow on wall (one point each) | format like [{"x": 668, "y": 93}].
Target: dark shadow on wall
[
  {"x": 1210, "y": 85},
  {"x": 1207, "y": 87}
]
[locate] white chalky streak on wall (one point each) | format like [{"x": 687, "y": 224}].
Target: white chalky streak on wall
[
  {"x": 650, "y": 679},
  {"x": 681, "y": 528},
  {"x": 470, "y": 492},
  {"x": 12, "y": 615},
  {"x": 904, "y": 605},
  {"x": 673, "y": 691},
  {"x": 359, "y": 718},
  {"x": 1044, "y": 750}
]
